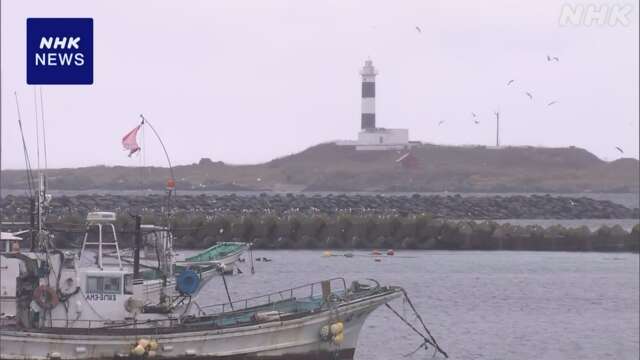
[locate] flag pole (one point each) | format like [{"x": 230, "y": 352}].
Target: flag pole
[
  {"x": 171, "y": 183},
  {"x": 166, "y": 154}
]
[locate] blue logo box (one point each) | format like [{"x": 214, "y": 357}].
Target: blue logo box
[{"x": 59, "y": 51}]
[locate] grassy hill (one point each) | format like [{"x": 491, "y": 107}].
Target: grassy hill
[{"x": 328, "y": 167}]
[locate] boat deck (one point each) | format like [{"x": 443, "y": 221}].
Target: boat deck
[{"x": 275, "y": 307}]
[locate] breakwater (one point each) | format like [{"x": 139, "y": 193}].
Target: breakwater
[
  {"x": 289, "y": 221},
  {"x": 369, "y": 232},
  {"x": 436, "y": 206}
]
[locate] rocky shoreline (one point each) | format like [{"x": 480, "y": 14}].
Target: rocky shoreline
[{"x": 16, "y": 208}]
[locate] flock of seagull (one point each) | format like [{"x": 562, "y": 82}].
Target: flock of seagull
[{"x": 474, "y": 116}]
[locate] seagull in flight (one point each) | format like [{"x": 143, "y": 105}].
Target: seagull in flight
[
  {"x": 476, "y": 121},
  {"x": 551, "y": 103},
  {"x": 510, "y": 82},
  {"x": 474, "y": 114},
  {"x": 418, "y": 29},
  {"x": 552, "y": 58},
  {"x": 619, "y": 149},
  {"x": 529, "y": 95},
  {"x": 441, "y": 122}
]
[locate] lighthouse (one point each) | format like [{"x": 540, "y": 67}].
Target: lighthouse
[
  {"x": 368, "y": 73},
  {"x": 372, "y": 137}
]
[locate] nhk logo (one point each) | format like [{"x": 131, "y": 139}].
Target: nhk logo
[{"x": 59, "y": 51}]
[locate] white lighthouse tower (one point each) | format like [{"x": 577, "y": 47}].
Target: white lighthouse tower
[
  {"x": 372, "y": 137},
  {"x": 368, "y": 72}
]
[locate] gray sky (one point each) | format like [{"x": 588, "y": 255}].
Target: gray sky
[{"x": 247, "y": 81}]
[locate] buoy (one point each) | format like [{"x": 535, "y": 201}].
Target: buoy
[
  {"x": 138, "y": 350},
  {"x": 325, "y": 332},
  {"x": 171, "y": 184},
  {"x": 326, "y": 253},
  {"x": 337, "y": 328},
  {"x": 133, "y": 305},
  {"x": 46, "y": 297},
  {"x": 338, "y": 339},
  {"x": 153, "y": 345},
  {"x": 143, "y": 343}
]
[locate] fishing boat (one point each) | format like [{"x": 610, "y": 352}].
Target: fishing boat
[
  {"x": 69, "y": 310},
  {"x": 101, "y": 309}
]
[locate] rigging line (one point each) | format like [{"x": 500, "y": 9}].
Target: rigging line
[
  {"x": 426, "y": 340},
  {"x": 25, "y": 151},
  {"x": 226, "y": 288},
  {"x": 35, "y": 110},
  {"x": 417, "y": 314},
  {"x": 44, "y": 133}
]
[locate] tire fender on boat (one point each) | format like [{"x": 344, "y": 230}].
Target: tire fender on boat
[{"x": 46, "y": 297}]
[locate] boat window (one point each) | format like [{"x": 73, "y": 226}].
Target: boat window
[
  {"x": 103, "y": 284},
  {"x": 94, "y": 284},
  {"x": 128, "y": 283},
  {"x": 111, "y": 285}
]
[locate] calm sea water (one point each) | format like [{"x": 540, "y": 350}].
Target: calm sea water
[{"x": 478, "y": 305}]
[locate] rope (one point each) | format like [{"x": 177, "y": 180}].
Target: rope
[
  {"x": 430, "y": 341},
  {"x": 423, "y": 324},
  {"x": 427, "y": 341},
  {"x": 224, "y": 280}
]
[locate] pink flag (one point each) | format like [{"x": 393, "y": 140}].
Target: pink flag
[{"x": 129, "y": 141}]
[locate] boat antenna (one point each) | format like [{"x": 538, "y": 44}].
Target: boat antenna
[
  {"x": 30, "y": 185},
  {"x": 25, "y": 151},
  {"x": 35, "y": 111},
  {"x": 44, "y": 133}
]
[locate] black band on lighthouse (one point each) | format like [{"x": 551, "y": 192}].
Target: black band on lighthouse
[
  {"x": 368, "y": 89},
  {"x": 368, "y": 121}
]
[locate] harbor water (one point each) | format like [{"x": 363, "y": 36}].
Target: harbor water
[{"x": 478, "y": 305}]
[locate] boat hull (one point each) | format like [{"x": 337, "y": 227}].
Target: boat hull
[{"x": 289, "y": 339}]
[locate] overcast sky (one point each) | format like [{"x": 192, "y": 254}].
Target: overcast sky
[{"x": 247, "y": 81}]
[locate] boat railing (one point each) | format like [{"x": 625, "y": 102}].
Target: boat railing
[
  {"x": 268, "y": 301},
  {"x": 111, "y": 324}
]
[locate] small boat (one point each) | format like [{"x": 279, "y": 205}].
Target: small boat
[
  {"x": 390, "y": 252},
  {"x": 222, "y": 255},
  {"x": 376, "y": 253}
]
